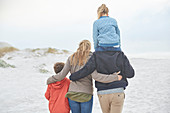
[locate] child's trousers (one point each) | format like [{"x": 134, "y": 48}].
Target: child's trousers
[{"x": 111, "y": 103}]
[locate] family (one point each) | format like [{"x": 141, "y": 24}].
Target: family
[{"x": 108, "y": 66}]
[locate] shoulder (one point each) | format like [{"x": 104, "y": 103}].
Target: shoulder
[
  {"x": 95, "y": 22},
  {"x": 50, "y": 85},
  {"x": 93, "y": 54},
  {"x": 69, "y": 58},
  {"x": 122, "y": 56},
  {"x": 113, "y": 19},
  {"x": 68, "y": 61},
  {"x": 90, "y": 55}
]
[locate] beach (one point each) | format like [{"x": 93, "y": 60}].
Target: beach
[{"x": 23, "y": 86}]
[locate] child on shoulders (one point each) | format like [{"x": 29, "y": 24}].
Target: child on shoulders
[{"x": 106, "y": 34}]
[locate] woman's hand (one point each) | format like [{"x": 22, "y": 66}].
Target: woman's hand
[{"x": 119, "y": 76}]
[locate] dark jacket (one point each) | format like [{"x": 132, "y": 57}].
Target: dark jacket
[{"x": 107, "y": 62}]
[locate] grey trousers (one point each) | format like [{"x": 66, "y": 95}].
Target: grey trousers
[{"x": 112, "y": 103}]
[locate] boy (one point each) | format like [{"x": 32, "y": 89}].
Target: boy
[{"x": 56, "y": 92}]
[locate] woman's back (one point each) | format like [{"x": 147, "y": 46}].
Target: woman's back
[{"x": 84, "y": 85}]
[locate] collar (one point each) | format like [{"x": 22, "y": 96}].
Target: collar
[{"x": 104, "y": 16}]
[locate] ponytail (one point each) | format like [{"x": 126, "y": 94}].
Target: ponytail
[{"x": 102, "y": 10}]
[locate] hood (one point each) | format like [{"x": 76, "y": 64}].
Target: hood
[{"x": 59, "y": 84}]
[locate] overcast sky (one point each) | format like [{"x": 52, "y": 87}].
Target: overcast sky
[{"x": 144, "y": 24}]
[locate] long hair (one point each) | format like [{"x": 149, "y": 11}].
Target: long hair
[
  {"x": 102, "y": 10},
  {"x": 81, "y": 55}
]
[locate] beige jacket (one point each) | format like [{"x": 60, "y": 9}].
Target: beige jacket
[{"x": 84, "y": 85}]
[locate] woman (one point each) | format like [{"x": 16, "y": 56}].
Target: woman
[{"x": 80, "y": 93}]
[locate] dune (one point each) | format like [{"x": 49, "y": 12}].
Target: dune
[{"x": 4, "y": 44}]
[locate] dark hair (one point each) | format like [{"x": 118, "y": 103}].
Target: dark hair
[{"x": 58, "y": 67}]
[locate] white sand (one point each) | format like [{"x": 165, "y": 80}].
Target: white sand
[{"x": 22, "y": 88}]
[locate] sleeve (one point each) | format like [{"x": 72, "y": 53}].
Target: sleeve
[
  {"x": 117, "y": 31},
  {"x": 95, "y": 34},
  {"x": 47, "y": 93},
  {"x": 104, "y": 78},
  {"x": 128, "y": 70},
  {"x": 60, "y": 76},
  {"x": 85, "y": 71},
  {"x": 117, "y": 28}
]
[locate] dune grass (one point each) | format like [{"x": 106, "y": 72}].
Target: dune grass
[
  {"x": 34, "y": 50},
  {"x": 3, "y": 64},
  {"x": 46, "y": 50},
  {"x": 52, "y": 50},
  {"x": 65, "y": 51},
  {"x": 6, "y": 50},
  {"x": 43, "y": 71}
]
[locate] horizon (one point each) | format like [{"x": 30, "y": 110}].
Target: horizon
[{"x": 144, "y": 55}]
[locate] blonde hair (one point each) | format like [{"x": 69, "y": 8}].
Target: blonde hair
[
  {"x": 102, "y": 10},
  {"x": 81, "y": 55}
]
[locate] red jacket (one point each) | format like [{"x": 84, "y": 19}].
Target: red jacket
[{"x": 55, "y": 93}]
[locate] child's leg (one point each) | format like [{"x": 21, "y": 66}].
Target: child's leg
[
  {"x": 99, "y": 48},
  {"x": 86, "y": 107},
  {"x": 74, "y": 106}
]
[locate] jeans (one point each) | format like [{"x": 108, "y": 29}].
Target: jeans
[
  {"x": 99, "y": 48},
  {"x": 81, "y": 107}
]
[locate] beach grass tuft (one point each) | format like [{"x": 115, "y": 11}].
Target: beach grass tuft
[{"x": 6, "y": 50}]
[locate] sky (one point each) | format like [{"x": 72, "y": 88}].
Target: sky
[{"x": 62, "y": 24}]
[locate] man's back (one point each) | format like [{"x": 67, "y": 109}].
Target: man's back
[{"x": 107, "y": 62}]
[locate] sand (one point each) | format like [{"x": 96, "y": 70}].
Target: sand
[{"x": 22, "y": 88}]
